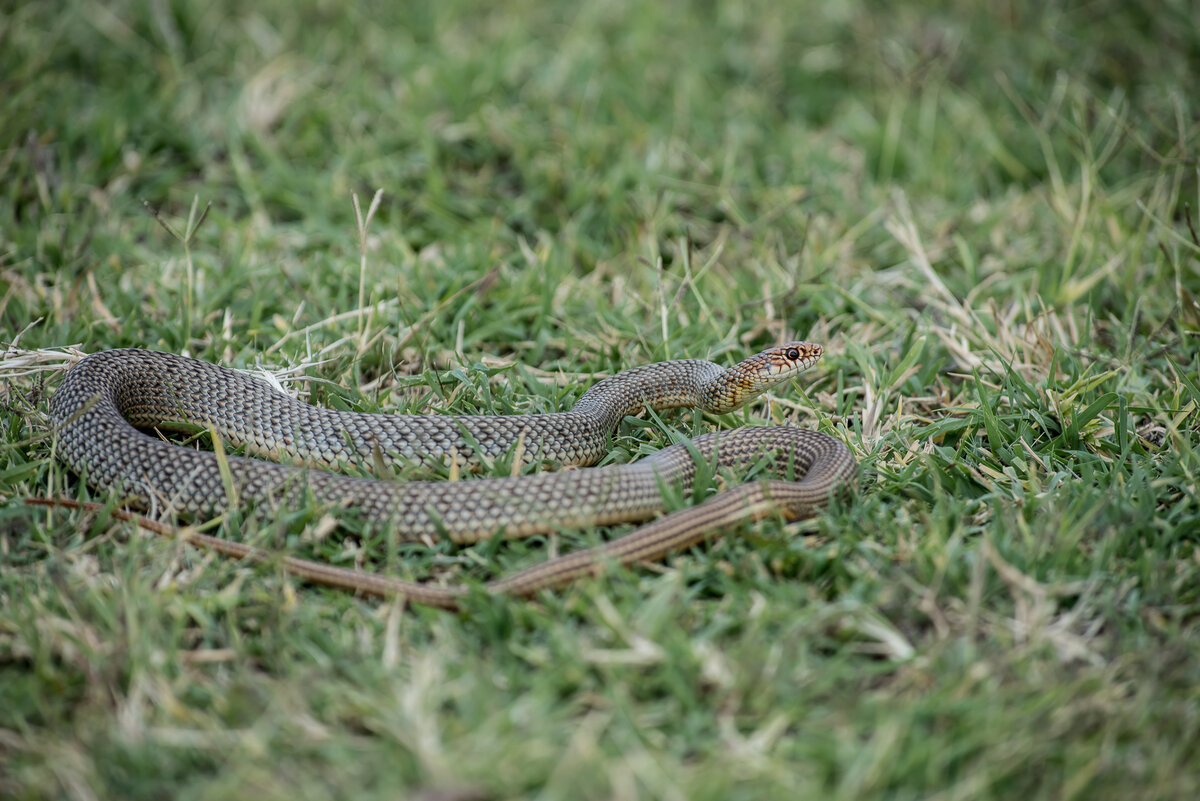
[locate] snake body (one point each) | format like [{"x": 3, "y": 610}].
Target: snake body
[{"x": 109, "y": 395}]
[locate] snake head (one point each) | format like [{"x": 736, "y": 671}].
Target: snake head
[
  {"x": 784, "y": 361},
  {"x": 747, "y": 380}
]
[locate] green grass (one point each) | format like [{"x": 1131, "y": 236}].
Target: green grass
[{"x": 982, "y": 210}]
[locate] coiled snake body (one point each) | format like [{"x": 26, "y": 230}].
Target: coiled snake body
[{"x": 107, "y": 395}]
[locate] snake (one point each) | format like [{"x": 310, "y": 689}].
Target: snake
[{"x": 107, "y": 408}]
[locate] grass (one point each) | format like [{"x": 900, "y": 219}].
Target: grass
[{"x": 986, "y": 212}]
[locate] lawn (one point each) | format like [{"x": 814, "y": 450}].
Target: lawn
[{"x": 986, "y": 213}]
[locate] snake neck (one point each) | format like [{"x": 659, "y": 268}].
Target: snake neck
[{"x": 666, "y": 385}]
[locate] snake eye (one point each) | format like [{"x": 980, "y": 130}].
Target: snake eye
[{"x": 793, "y": 355}]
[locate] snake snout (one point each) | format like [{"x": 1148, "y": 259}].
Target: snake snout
[{"x": 810, "y": 353}]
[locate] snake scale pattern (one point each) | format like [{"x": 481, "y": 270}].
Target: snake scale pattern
[{"x": 109, "y": 398}]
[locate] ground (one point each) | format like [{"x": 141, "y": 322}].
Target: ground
[{"x": 986, "y": 212}]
